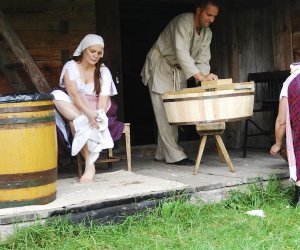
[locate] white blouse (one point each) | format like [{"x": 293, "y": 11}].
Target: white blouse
[
  {"x": 108, "y": 87},
  {"x": 285, "y": 86}
]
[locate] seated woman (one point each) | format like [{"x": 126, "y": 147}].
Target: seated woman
[
  {"x": 287, "y": 124},
  {"x": 85, "y": 86}
]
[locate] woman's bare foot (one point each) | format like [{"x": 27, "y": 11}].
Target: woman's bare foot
[{"x": 88, "y": 174}]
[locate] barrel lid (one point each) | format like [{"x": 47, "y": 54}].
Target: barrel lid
[{"x": 25, "y": 98}]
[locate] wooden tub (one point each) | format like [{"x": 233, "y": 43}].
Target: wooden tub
[{"x": 211, "y": 103}]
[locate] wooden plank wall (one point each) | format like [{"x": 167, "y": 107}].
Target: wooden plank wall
[
  {"x": 249, "y": 36},
  {"x": 281, "y": 31},
  {"x": 256, "y": 36},
  {"x": 295, "y": 21},
  {"x": 47, "y": 28},
  {"x": 253, "y": 36}
]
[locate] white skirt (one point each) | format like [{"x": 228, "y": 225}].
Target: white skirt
[{"x": 59, "y": 95}]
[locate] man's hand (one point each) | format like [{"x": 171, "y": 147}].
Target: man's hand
[
  {"x": 201, "y": 77},
  {"x": 210, "y": 77}
]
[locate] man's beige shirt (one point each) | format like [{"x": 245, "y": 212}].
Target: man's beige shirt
[{"x": 180, "y": 44}]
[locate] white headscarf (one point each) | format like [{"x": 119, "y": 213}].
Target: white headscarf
[{"x": 87, "y": 41}]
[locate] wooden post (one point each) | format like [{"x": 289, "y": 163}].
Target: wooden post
[
  {"x": 23, "y": 56},
  {"x": 108, "y": 26}
]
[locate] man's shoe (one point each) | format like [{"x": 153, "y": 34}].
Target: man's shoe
[{"x": 184, "y": 162}]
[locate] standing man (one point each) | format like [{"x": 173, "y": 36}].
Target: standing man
[{"x": 181, "y": 51}]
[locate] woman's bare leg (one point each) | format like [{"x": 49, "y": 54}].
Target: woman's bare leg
[
  {"x": 89, "y": 169},
  {"x": 70, "y": 112},
  {"x": 67, "y": 109}
]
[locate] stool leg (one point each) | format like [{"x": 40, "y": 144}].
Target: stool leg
[
  {"x": 110, "y": 153},
  {"x": 79, "y": 164},
  {"x": 245, "y": 138},
  {"x": 200, "y": 152},
  {"x": 109, "y": 156},
  {"x": 222, "y": 158},
  {"x": 128, "y": 147},
  {"x": 224, "y": 152}
]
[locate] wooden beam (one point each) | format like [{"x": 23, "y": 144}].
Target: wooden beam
[
  {"x": 235, "y": 72},
  {"x": 23, "y": 56},
  {"x": 12, "y": 76},
  {"x": 108, "y": 26}
]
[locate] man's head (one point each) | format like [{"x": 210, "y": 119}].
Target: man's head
[{"x": 206, "y": 12}]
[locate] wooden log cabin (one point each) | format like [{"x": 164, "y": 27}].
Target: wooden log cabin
[{"x": 248, "y": 37}]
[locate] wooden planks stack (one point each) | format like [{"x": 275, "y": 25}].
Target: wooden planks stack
[{"x": 214, "y": 101}]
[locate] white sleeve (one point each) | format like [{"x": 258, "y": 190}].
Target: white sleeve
[
  {"x": 108, "y": 87},
  {"x": 185, "y": 42},
  {"x": 284, "y": 91},
  {"x": 182, "y": 42},
  {"x": 73, "y": 72}
]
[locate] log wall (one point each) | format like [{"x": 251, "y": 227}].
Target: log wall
[
  {"x": 254, "y": 36},
  {"x": 49, "y": 31},
  {"x": 248, "y": 36},
  {"x": 295, "y": 21}
]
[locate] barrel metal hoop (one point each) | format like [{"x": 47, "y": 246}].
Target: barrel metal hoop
[
  {"x": 208, "y": 121},
  {"x": 36, "y": 201},
  {"x": 26, "y": 180},
  {"x": 27, "y": 120},
  {"x": 205, "y": 97},
  {"x": 26, "y": 109},
  {"x": 26, "y": 126}
]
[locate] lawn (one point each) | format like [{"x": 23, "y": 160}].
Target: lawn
[{"x": 181, "y": 225}]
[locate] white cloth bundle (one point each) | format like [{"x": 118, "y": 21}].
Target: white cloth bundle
[{"x": 96, "y": 139}]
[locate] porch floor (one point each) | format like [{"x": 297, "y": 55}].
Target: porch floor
[{"x": 149, "y": 181}]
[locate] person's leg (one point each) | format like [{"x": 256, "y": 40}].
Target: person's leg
[
  {"x": 167, "y": 148},
  {"x": 67, "y": 109},
  {"x": 70, "y": 112},
  {"x": 89, "y": 169}
]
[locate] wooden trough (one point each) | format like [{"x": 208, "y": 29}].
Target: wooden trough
[{"x": 215, "y": 101}]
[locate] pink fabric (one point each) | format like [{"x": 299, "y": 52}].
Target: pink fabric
[
  {"x": 92, "y": 101},
  {"x": 290, "y": 146},
  {"x": 294, "y": 110},
  {"x": 115, "y": 127}
]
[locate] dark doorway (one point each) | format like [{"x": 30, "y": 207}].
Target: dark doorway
[{"x": 141, "y": 23}]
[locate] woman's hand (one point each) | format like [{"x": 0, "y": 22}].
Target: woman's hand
[
  {"x": 92, "y": 115},
  {"x": 275, "y": 149}
]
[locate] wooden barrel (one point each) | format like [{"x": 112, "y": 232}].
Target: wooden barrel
[
  {"x": 28, "y": 154},
  {"x": 202, "y": 105}
]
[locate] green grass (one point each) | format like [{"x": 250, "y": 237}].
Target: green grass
[{"x": 181, "y": 225}]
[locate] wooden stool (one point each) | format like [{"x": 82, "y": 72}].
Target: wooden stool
[
  {"x": 215, "y": 129},
  {"x": 110, "y": 158}
]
